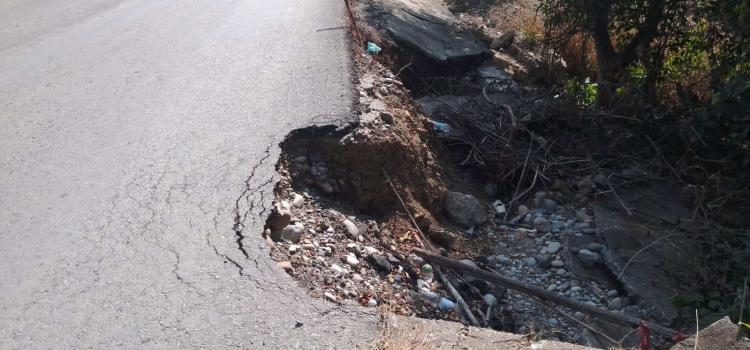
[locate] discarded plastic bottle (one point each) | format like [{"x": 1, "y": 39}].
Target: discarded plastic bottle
[
  {"x": 427, "y": 272},
  {"x": 446, "y": 305},
  {"x": 430, "y": 297},
  {"x": 442, "y": 127},
  {"x": 372, "y": 48},
  {"x": 490, "y": 300}
]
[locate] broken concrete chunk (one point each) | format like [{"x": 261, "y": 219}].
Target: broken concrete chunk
[
  {"x": 430, "y": 28},
  {"x": 722, "y": 334}
]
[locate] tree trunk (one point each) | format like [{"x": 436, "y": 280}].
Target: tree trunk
[{"x": 611, "y": 63}]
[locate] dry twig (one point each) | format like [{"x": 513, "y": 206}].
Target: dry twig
[
  {"x": 466, "y": 311},
  {"x": 622, "y": 272},
  {"x": 589, "y": 327},
  {"x": 540, "y": 293}
]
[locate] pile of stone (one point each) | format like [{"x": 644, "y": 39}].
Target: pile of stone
[
  {"x": 337, "y": 257},
  {"x": 316, "y": 172}
]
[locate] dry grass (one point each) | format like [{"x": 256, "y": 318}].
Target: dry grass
[{"x": 392, "y": 337}]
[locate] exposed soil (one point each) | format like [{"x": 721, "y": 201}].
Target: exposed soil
[{"x": 346, "y": 196}]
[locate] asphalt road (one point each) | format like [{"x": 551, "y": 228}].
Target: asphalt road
[{"x": 132, "y": 134}]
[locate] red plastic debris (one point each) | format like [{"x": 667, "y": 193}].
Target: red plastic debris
[
  {"x": 678, "y": 337},
  {"x": 645, "y": 334}
]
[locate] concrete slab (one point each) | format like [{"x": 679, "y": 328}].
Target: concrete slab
[
  {"x": 430, "y": 28},
  {"x": 401, "y": 332}
]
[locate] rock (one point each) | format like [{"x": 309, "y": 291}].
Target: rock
[
  {"x": 325, "y": 251},
  {"x": 270, "y": 236},
  {"x": 549, "y": 204},
  {"x": 442, "y": 236},
  {"x": 553, "y": 247},
  {"x": 430, "y": 28},
  {"x": 531, "y": 262},
  {"x": 557, "y": 226},
  {"x": 380, "y": 263},
  {"x": 503, "y": 41},
  {"x": 293, "y": 248},
  {"x": 616, "y": 304},
  {"x": 367, "y": 82},
  {"x": 504, "y": 260},
  {"x": 468, "y": 263},
  {"x": 543, "y": 261},
  {"x": 372, "y": 303},
  {"x": 286, "y": 265},
  {"x": 351, "y": 228},
  {"x": 357, "y": 278},
  {"x": 557, "y": 263},
  {"x": 298, "y": 200},
  {"x": 542, "y": 224},
  {"x": 612, "y": 293},
  {"x": 464, "y": 209},
  {"x": 369, "y": 250},
  {"x": 596, "y": 247},
  {"x": 279, "y": 218},
  {"x": 351, "y": 260},
  {"x": 583, "y": 216},
  {"x": 330, "y": 297},
  {"x": 286, "y": 206},
  {"x": 324, "y": 186},
  {"x": 523, "y": 210},
  {"x": 293, "y": 233},
  {"x": 336, "y": 269},
  {"x": 588, "y": 258},
  {"x": 378, "y": 106},
  {"x": 299, "y": 159},
  {"x": 528, "y": 218},
  {"x": 387, "y": 118},
  {"x": 490, "y": 189},
  {"x": 415, "y": 260}
]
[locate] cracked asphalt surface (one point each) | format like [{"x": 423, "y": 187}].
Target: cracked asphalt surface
[{"x": 138, "y": 140}]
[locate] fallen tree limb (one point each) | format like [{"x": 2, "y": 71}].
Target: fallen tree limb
[
  {"x": 424, "y": 242},
  {"x": 540, "y": 293}
]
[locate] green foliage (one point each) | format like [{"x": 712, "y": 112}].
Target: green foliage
[
  {"x": 583, "y": 93},
  {"x": 636, "y": 74},
  {"x": 689, "y": 54},
  {"x": 531, "y": 37}
]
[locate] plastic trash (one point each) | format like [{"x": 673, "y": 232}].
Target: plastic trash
[
  {"x": 442, "y": 127},
  {"x": 422, "y": 284},
  {"x": 446, "y": 305},
  {"x": 373, "y": 49},
  {"x": 499, "y": 207},
  {"x": 430, "y": 297},
  {"x": 490, "y": 300}
]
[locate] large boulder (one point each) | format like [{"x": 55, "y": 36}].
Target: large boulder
[{"x": 464, "y": 209}]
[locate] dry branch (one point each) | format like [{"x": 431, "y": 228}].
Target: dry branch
[
  {"x": 540, "y": 293},
  {"x": 464, "y": 308}
]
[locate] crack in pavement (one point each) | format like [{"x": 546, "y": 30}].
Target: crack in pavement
[{"x": 239, "y": 218}]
